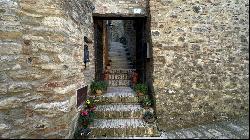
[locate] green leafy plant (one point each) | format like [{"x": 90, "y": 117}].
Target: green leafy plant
[
  {"x": 98, "y": 85},
  {"x": 146, "y": 101},
  {"x": 149, "y": 117},
  {"x": 141, "y": 88}
]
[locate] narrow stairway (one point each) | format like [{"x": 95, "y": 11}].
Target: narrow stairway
[
  {"x": 118, "y": 54},
  {"x": 120, "y": 115},
  {"x": 118, "y": 112}
]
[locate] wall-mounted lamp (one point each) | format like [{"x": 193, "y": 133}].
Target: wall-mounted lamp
[
  {"x": 87, "y": 40},
  {"x": 86, "y": 55}
]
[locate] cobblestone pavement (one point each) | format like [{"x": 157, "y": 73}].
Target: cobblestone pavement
[{"x": 230, "y": 129}]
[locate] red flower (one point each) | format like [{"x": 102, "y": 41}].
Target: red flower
[{"x": 84, "y": 113}]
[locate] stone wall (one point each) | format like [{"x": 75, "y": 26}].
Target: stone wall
[
  {"x": 120, "y": 7},
  {"x": 41, "y": 60},
  {"x": 117, "y": 30},
  {"x": 201, "y": 60}
]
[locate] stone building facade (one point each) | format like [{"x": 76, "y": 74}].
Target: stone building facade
[{"x": 199, "y": 67}]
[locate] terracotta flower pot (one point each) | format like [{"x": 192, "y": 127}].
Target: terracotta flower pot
[
  {"x": 139, "y": 94},
  {"x": 98, "y": 92},
  {"x": 106, "y": 76},
  {"x": 108, "y": 67}
]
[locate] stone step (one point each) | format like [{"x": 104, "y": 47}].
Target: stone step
[
  {"x": 120, "y": 63},
  {"x": 122, "y": 128},
  {"x": 115, "y": 50},
  {"x": 118, "y": 95},
  {"x": 119, "y": 111},
  {"x": 120, "y": 91},
  {"x": 117, "y": 99},
  {"x": 119, "y": 67},
  {"x": 118, "y": 58},
  {"x": 113, "y": 58},
  {"x": 118, "y": 53},
  {"x": 117, "y": 83},
  {"x": 122, "y": 68}
]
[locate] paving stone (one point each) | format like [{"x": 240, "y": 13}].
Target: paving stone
[
  {"x": 188, "y": 134},
  {"x": 180, "y": 135},
  {"x": 206, "y": 133},
  {"x": 171, "y": 136},
  {"x": 197, "y": 133}
]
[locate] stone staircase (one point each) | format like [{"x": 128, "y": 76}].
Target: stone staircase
[
  {"x": 121, "y": 65},
  {"x": 118, "y": 114},
  {"x": 119, "y": 55}
]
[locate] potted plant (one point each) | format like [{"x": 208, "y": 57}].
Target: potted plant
[
  {"x": 98, "y": 87},
  {"x": 87, "y": 113},
  {"x": 90, "y": 104},
  {"x": 106, "y": 74},
  {"x": 146, "y": 101},
  {"x": 149, "y": 117},
  {"x": 134, "y": 78},
  {"x": 108, "y": 67},
  {"x": 141, "y": 89},
  {"x": 86, "y": 118}
]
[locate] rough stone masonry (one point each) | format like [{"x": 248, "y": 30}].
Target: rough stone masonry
[
  {"x": 41, "y": 61},
  {"x": 201, "y": 60},
  {"x": 200, "y": 55}
]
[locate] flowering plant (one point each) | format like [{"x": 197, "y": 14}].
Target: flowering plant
[
  {"x": 87, "y": 114},
  {"x": 86, "y": 117},
  {"x": 91, "y": 104}
]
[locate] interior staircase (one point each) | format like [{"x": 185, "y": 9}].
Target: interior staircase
[{"x": 118, "y": 112}]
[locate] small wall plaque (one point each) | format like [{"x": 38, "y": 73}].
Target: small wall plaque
[
  {"x": 81, "y": 96},
  {"x": 137, "y": 11}
]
